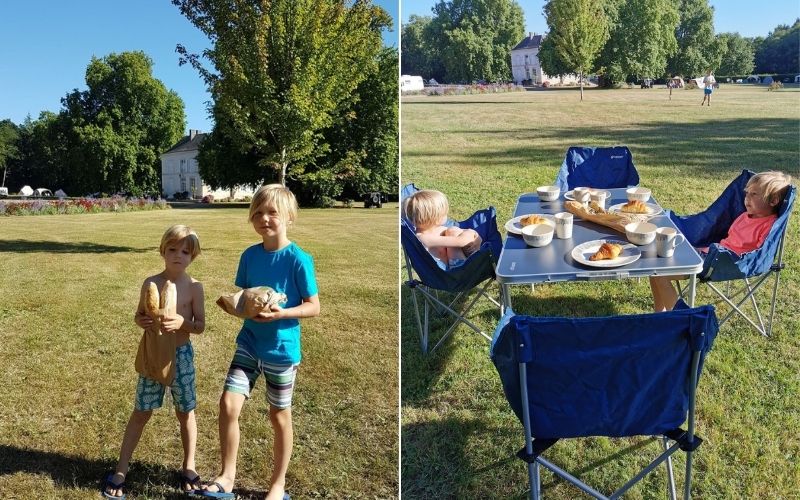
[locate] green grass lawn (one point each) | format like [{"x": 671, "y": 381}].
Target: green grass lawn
[
  {"x": 458, "y": 435},
  {"x": 69, "y": 285}
]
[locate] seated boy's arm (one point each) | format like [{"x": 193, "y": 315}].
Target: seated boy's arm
[
  {"x": 309, "y": 308},
  {"x": 435, "y": 240}
]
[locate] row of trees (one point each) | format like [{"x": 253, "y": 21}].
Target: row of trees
[
  {"x": 617, "y": 39},
  {"x": 303, "y": 93}
]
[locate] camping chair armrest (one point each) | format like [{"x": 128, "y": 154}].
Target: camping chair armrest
[{"x": 721, "y": 264}]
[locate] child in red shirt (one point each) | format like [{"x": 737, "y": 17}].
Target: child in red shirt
[{"x": 762, "y": 195}]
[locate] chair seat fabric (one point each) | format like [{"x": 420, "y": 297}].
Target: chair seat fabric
[
  {"x": 609, "y": 376},
  {"x": 608, "y": 167}
]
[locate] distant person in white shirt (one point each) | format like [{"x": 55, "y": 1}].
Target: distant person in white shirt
[{"x": 709, "y": 82}]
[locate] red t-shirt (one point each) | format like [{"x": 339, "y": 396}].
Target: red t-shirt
[{"x": 748, "y": 233}]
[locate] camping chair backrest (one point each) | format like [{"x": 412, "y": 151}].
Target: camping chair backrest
[
  {"x": 710, "y": 226},
  {"x": 609, "y": 376},
  {"x": 476, "y": 268},
  {"x": 610, "y": 167}
]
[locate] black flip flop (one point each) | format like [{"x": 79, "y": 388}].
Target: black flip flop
[{"x": 106, "y": 483}]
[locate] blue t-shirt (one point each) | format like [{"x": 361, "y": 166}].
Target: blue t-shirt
[{"x": 289, "y": 270}]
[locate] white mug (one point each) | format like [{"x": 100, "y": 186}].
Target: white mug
[
  {"x": 599, "y": 197},
  {"x": 582, "y": 194},
  {"x": 666, "y": 241},
  {"x": 563, "y": 225}
]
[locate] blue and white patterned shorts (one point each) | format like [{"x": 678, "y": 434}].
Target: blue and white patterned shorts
[{"x": 150, "y": 393}]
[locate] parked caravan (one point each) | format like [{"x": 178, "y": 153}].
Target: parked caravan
[{"x": 410, "y": 83}]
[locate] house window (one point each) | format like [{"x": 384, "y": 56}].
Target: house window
[
  {"x": 193, "y": 185},
  {"x": 183, "y": 184},
  {"x": 183, "y": 166}
]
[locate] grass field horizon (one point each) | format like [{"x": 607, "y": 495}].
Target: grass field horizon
[
  {"x": 69, "y": 286},
  {"x": 458, "y": 435}
]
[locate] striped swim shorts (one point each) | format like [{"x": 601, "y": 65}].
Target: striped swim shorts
[
  {"x": 150, "y": 393},
  {"x": 245, "y": 369}
]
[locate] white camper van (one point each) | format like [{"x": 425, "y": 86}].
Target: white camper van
[{"x": 410, "y": 83}]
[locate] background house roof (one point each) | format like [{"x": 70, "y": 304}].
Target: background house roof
[
  {"x": 189, "y": 142},
  {"x": 532, "y": 41}
]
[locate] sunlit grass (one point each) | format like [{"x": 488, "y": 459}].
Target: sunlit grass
[
  {"x": 459, "y": 436},
  {"x": 69, "y": 286}
]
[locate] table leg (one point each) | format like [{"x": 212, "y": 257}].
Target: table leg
[
  {"x": 506, "y": 293},
  {"x": 692, "y": 289}
]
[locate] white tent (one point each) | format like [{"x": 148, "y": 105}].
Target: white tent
[{"x": 26, "y": 191}]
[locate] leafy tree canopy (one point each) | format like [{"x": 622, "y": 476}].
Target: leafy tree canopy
[
  {"x": 9, "y": 136},
  {"x": 419, "y": 56},
  {"x": 737, "y": 55},
  {"x": 281, "y": 69},
  {"x": 698, "y": 49},
  {"x": 779, "y": 51}
]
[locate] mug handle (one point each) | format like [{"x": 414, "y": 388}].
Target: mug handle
[{"x": 679, "y": 238}]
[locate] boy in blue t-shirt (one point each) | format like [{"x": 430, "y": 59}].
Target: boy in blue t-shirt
[{"x": 269, "y": 343}]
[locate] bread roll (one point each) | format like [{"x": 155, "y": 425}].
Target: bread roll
[
  {"x": 169, "y": 298},
  {"x": 152, "y": 302}
]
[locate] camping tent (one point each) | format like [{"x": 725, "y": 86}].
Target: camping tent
[
  {"x": 26, "y": 191},
  {"x": 767, "y": 80},
  {"x": 797, "y": 79},
  {"x": 752, "y": 79},
  {"x": 677, "y": 81}
]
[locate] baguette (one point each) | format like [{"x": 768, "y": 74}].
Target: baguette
[
  {"x": 152, "y": 301},
  {"x": 614, "y": 221},
  {"x": 169, "y": 298}
]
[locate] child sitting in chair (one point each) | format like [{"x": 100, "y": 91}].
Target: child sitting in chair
[
  {"x": 762, "y": 195},
  {"x": 427, "y": 209}
]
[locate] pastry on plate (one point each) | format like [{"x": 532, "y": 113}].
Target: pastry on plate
[
  {"x": 596, "y": 207},
  {"x": 529, "y": 220},
  {"x": 607, "y": 251},
  {"x": 634, "y": 207}
]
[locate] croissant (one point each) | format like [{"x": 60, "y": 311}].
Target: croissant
[
  {"x": 607, "y": 251},
  {"x": 151, "y": 302},
  {"x": 634, "y": 207},
  {"x": 532, "y": 219}
]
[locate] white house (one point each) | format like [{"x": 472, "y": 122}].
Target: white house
[
  {"x": 180, "y": 172},
  {"x": 525, "y": 63}
]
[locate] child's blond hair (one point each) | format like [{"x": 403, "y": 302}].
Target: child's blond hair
[
  {"x": 280, "y": 196},
  {"x": 426, "y": 208},
  {"x": 176, "y": 235},
  {"x": 772, "y": 184}
]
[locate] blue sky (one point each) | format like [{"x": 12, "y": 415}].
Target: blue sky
[
  {"x": 47, "y": 45},
  {"x": 749, "y": 18}
]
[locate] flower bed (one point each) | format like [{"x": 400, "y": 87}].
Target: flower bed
[
  {"x": 476, "y": 88},
  {"x": 79, "y": 206}
]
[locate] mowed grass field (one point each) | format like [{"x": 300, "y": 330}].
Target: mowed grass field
[
  {"x": 459, "y": 436},
  {"x": 68, "y": 288}
]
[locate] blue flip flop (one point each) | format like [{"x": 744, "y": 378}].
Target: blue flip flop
[
  {"x": 215, "y": 494},
  {"x": 106, "y": 483}
]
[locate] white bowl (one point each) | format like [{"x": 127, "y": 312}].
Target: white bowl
[
  {"x": 539, "y": 235},
  {"x": 638, "y": 193},
  {"x": 641, "y": 233},
  {"x": 548, "y": 193}
]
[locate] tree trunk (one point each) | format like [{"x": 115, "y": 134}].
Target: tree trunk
[
  {"x": 283, "y": 166},
  {"x": 580, "y": 76}
]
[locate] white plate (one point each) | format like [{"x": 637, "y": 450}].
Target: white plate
[
  {"x": 570, "y": 195},
  {"x": 581, "y": 253},
  {"x": 652, "y": 209},
  {"x": 514, "y": 227}
]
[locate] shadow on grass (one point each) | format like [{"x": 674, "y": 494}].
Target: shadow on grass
[
  {"x": 697, "y": 150},
  {"x": 68, "y": 472},
  {"x": 28, "y": 246}
]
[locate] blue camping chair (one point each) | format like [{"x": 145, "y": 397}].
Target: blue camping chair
[
  {"x": 598, "y": 168},
  {"x": 428, "y": 276},
  {"x": 709, "y": 227},
  {"x": 615, "y": 376}
]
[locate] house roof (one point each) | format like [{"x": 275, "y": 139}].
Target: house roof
[
  {"x": 187, "y": 143},
  {"x": 532, "y": 41}
]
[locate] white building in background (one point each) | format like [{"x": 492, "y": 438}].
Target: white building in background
[
  {"x": 525, "y": 63},
  {"x": 180, "y": 172}
]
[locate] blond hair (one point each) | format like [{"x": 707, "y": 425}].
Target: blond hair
[
  {"x": 771, "y": 184},
  {"x": 176, "y": 235},
  {"x": 426, "y": 208},
  {"x": 280, "y": 196}
]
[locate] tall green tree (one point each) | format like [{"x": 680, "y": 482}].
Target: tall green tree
[
  {"x": 698, "y": 49},
  {"x": 578, "y": 30},
  {"x": 737, "y": 55},
  {"x": 779, "y": 51},
  {"x": 474, "y": 38},
  {"x": 9, "y": 150},
  {"x": 642, "y": 39},
  {"x": 415, "y": 44},
  {"x": 118, "y": 127},
  {"x": 280, "y": 70},
  {"x": 549, "y": 59}
]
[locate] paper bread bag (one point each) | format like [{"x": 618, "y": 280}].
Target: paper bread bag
[{"x": 155, "y": 358}]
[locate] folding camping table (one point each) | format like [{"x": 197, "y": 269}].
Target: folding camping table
[{"x": 520, "y": 264}]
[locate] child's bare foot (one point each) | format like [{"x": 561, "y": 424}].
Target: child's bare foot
[
  {"x": 114, "y": 485},
  {"x": 276, "y": 492},
  {"x": 220, "y": 484}
]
